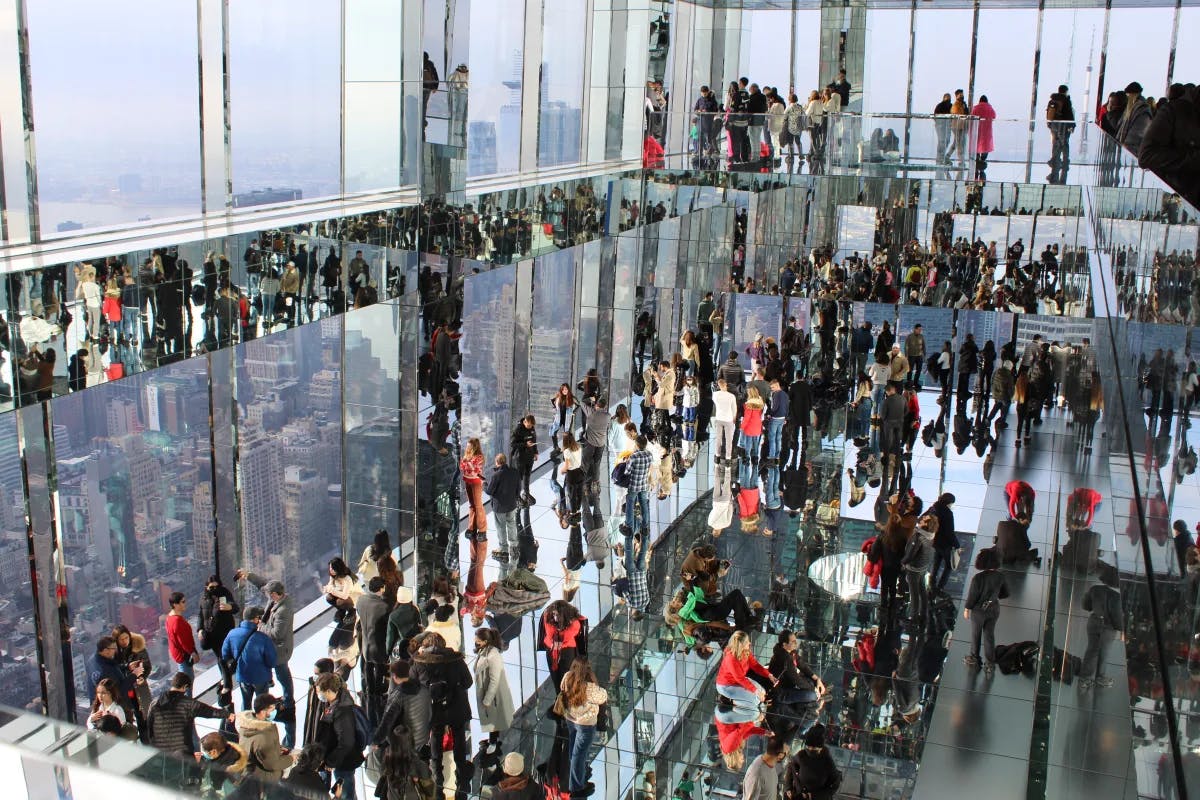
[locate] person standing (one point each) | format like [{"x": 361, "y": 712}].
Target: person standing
[
  {"x": 504, "y": 488},
  {"x": 982, "y": 608},
  {"x": 218, "y": 616},
  {"x": 582, "y": 701},
  {"x": 259, "y": 740},
  {"x": 471, "y": 466},
  {"x": 373, "y": 608},
  {"x": 968, "y": 364},
  {"x": 637, "y": 470},
  {"x": 723, "y": 419},
  {"x": 918, "y": 557},
  {"x": 337, "y": 733},
  {"x": 1106, "y": 621},
  {"x": 914, "y": 351},
  {"x": 1135, "y": 121},
  {"x": 172, "y": 717},
  {"x": 762, "y": 776},
  {"x": 252, "y": 656},
  {"x": 442, "y": 671},
  {"x": 945, "y": 541},
  {"x": 842, "y": 87},
  {"x": 959, "y": 125},
  {"x": 289, "y": 290},
  {"x": 941, "y": 124},
  {"x": 278, "y": 623},
  {"x": 493, "y": 697},
  {"x": 103, "y": 664},
  {"x": 756, "y": 107},
  {"x": 985, "y": 141},
  {"x": 596, "y": 421},
  {"x": 1060, "y": 119},
  {"x": 706, "y": 123},
  {"x": 523, "y": 447},
  {"x": 812, "y": 774},
  {"x": 778, "y": 414},
  {"x": 180, "y": 642}
]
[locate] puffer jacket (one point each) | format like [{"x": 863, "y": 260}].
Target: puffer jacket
[
  {"x": 1171, "y": 146},
  {"x": 444, "y": 673},
  {"x": 1002, "y": 385},
  {"x": 260, "y": 740},
  {"x": 136, "y": 654},
  {"x": 170, "y": 721}
]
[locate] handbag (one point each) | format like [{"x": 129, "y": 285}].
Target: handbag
[
  {"x": 955, "y": 557},
  {"x": 559, "y": 708},
  {"x": 829, "y": 513}
]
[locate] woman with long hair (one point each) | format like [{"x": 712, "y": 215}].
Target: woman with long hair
[
  {"x": 379, "y": 548},
  {"x": 752, "y": 424},
  {"x": 733, "y": 680},
  {"x": 471, "y": 466},
  {"x": 562, "y": 635},
  {"x": 341, "y": 591},
  {"x": 582, "y": 701},
  {"x": 572, "y": 469},
  {"x": 565, "y": 406},
  {"x": 131, "y": 649},
  {"x": 107, "y": 703},
  {"x": 689, "y": 351}
]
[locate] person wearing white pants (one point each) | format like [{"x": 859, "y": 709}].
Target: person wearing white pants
[{"x": 723, "y": 419}]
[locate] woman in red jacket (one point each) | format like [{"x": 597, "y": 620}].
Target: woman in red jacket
[
  {"x": 1020, "y": 501},
  {"x": 732, "y": 676},
  {"x": 752, "y": 424},
  {"x": 562, "y": 634},
  {"x": 471, "y": 467}
]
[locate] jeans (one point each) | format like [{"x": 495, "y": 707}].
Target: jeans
[
  {"x": 751, "y": 445},
  {"x": 506, "y": 531},
  {"x": 188, "y": 668},
  {"x": 771, "y": 497},
  {"x": 723, "y": 438},
  {"x": 129, "y": 322},
  {"x": 774, "y": 437},
  {"x": 877, "y": 395},
  {"x": 268, "y": 308},
  {"x": 250, "y": 691},
  {"x": 579, "y": 743},
  {"x": 283, "y": 674},
  {"x": 634, "y": 499},
  {"x": 740, "y": 695},
  {"x": 1098, "y": 637},
  {"x": 754, "y": 134},
  {"x": 349, "y": 789},
  {"x": 918, "y": 596},
  {"x": 942, "y": 126},
  {"x": 983, "y": 627},
  {"x": 941, "y": 562}
]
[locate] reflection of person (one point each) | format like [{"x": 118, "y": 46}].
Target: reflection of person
[{"x": 1105, "y": 621}]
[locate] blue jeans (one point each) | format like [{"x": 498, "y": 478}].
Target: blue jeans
[
  {"x": 631, "y": 563},
  {"x": 188, "y": 668},
  {"x": 751, "y": 445},
  {"x": 506, "y": 531},
  {"x": 746, "y": 475},
  {"x": 771, "y": 497},
  {"x": 774, "y": 437},
  {"x": 349, "y": 787},
  {"x": 579, "y": 739},
  {"x": 250, "y": 691},
  {"x": 642, "y": 499},
  {"x": 877, "y": 400},
  {"x": 740, "y": 695},
  {"x": 283, "y": 673}
]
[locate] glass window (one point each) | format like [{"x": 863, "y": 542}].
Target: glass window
[
  {"x": 560, "y": 115},
  {"x": 486, "y": 381},
  {"x": 289, "y": 467},
  {"x": 285, "y": 100},
  {"x": 374, "y": 95},
  {"x": 1138, "y": 49},
  {"x": 24, "y": 690},
  {"x": 1004, "y": 72},
  {"x": 766, "y": 48},
  {"x": 885, "y": 79},
  {"x": 494, "y": 111},
  {"x": 942, "y": 57},
  {"x": 1187, "y": 55},
  {"x": 118, "y": 114},
  {"x": 1070, "y": 56},
  {"x": 807, "y": 53},
  {"x": 553, "y": 323}
]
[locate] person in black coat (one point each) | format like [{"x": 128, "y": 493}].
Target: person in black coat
[
  {"x": 1106, "y": 620},
  {"x": 982, "y": 608},
  {"x": 444, "y": 673},
  {"x": 337, "y": 731},
  {"x": 811, "y": 773},
  {"x": 795, "y": 699},
  {"x": 218, "y": 616},
  {"x": 523, "y": 448},
  {"x": 945, "y": 541},
  {"x": 799, "y": 413}
]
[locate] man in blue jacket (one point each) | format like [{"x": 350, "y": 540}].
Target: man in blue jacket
[
  {"x": 252, "y": 655},
  {"x": 103, "y": 664}
]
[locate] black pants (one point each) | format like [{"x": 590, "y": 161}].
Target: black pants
[
  {"x": 566, "y": 657},
  {"x": 462, "y": 767},
  {"x": 592, "y": 457},
  {"x": 888, "y": 578},
  {"x": 983, "y": 627},
  {"x": 525, "y": 467},
  {"x": 374, "y": 678},
  {"x": 734, "y": 602}
]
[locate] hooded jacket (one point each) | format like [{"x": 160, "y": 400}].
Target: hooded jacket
[
  {"x": 408, "y": 706},
  {"x": 170, "y": 721},
  {"x": 444, "y": 673},
  {"x": 225, "y": 772},
  {"x": 136, "y": 654},
  {"x": 278, "y": 622},
  {"x": 259, "y": 739}
]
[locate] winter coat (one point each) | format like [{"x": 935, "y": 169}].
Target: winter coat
[
  {"x": 373, "y": 612},
  {"x": 403, "y": 623},
  {"x": 450, "y": 630},
  {"x": 257, "y": 660},
  {"x": 493, "y": 697},
  {"x": 215, "y": 624},
  {"x": 1171, "y": 144},
  {"x": 225, "y": 773},
  {"x": 520, "y": 592},
  {"x": 664, "y": 399},
  {"x": 518, "y": 787},
  {"x": 169, "y": 722},
  {"x": 731, "y": 372},
  {"x": 918, "y": 554},
  {"x": 814, "y": 773},
  {"x": 408, "y": 705},
  {"x": 259, "y": 739},
  {"x": 136, "y": 654},
  {"x": 444, "y": 673},
  {"x": 279, "y": 623},
  {"x": 1002, "y": 385},
  {"x": 336, "y": 731},
  {"x": 99, "y": 667},
  {"x": 985, "y": 143},
  {"x": 1135, "y": 122}
]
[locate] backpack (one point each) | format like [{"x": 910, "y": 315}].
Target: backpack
[
  {"x": 362, "y": 728},
  {"x": 620, "y": 475}
]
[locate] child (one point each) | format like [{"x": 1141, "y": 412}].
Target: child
[{"x": 691, "y": 399}]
